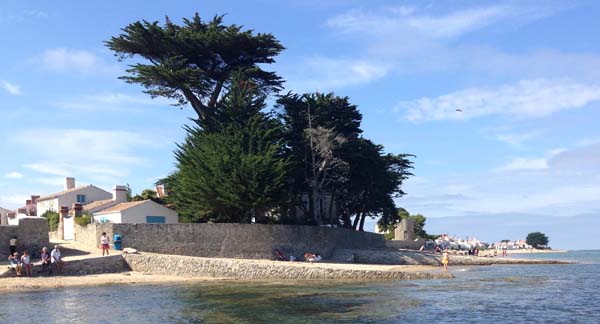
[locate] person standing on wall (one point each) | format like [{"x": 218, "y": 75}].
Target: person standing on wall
[
  {"x": 104, "y": 243},
  {"x": 13, "y": 245}
]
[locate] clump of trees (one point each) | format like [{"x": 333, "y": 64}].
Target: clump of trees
[
  {"x": 302, "y": 161},
  {"x": 537, "y": 240}
]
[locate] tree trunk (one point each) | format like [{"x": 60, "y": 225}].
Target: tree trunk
[
  {"x": 315, "y": 200},
  {"x": 355, "y": 223},
  {"x": 362, "y": 222}
]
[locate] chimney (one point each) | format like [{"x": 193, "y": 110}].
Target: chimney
[
  {"x": 34, "y": 199},
  {"x": 69, "y": 183},
  {"x": 160, "y": 191},
  {"x": 120, "y": 194},
  {"x": 77, "y": 210}
]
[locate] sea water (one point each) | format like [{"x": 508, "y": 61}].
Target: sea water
[{"x": 485, "y": 294}]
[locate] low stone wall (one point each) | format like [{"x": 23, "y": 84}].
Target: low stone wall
[
  {"x": 32, "y": 235},
  {"x": 88, "y": 235},
  {"x": 405, "y": 244},
  {"x": 184, "y": 266},
  {"x": 83, "y": 266},
  {"x": 249, "y": 241}
]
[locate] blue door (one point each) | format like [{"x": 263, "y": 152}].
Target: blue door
[{"x": 155, "y": 219}]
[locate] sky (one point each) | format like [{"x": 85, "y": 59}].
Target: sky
[{"x": 524, "y": 76}]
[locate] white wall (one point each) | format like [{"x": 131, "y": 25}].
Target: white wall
[
  {"x": 112, "y": 217},
  {"x": 46, "y": 205},
  {"x": 137, "y": 214}
]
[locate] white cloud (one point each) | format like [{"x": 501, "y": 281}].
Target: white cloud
[
  {"x": 517, "y": 139},
  {"x": 111, "y": 102},
  {"x": 416, "y": 40},
  {"x": 527, "y": 98},
  {"x": 13, "y": 199},
  {"x": 74, "y": 60},
  {"x": 100, "y": 155},
  {"x": 13, "y": 175},
  {"x": 518, "y": 164},
  {"x": 326, "y": 73},
  {"x": 404, "y": 20},
  {"x": 11, "y": 88}
]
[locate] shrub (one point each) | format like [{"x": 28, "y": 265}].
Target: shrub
[
  {"x": 53, "y": 218},
  {"x": 83, "y": 220}
]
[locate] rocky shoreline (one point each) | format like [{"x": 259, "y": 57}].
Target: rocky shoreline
[{"x": 151, "y": 268}]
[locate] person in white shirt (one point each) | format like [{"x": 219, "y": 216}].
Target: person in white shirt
[
  {"x": 57, "y": 260},
  {"x": 26, "y": 263},
  {"x": 104, "y": 243}
]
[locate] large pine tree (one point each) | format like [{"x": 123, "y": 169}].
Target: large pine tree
[{"x": 234, "y": 171}]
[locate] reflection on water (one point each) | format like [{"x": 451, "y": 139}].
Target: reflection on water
[{"x": 517, "y": 294}]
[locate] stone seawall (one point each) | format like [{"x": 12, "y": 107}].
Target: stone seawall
[
  {"x": 82, "y": 266},
  {"x": 395, "y": 257},
  {"x": 248, "y": 241},
  {"x": 236, "y": 269},
  {"x": 405, "y": 244},
  {"x": 32, "y": 235}
]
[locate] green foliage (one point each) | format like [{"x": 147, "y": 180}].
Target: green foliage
[
  {"x": 83, "y": 220},
  {"x": 53, "y": 219},
  {"x": 238, "y": 162},
  {"x": 371, "y": 179},
  {"x": 193, "y": 62},
  {"x": 129, "y": 193},
  {"x": 537, "y": 239},
  {"x": 148, "y": 194},
  {"x": 233, "y": 172}
]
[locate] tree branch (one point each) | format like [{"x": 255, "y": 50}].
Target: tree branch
[
  {"x": 215, "y": 95},
  {"x": 198, "y": 106}
]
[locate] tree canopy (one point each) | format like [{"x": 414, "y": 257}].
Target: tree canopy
[
  {"x": 194, "y": 62},
  {"x": 537, "y": 239},
  {"x": 303, "y": 161},
  {"x": 234, "y": 172}
]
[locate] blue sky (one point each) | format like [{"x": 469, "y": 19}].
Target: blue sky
[{"x": 524, "y": 73}]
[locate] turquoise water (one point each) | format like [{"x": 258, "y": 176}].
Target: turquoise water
[{"x": 501, "y": 294}]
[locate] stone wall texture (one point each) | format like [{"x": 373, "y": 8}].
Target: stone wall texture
[
  {"x": 249, "y": 241},
  {"x": 32, "y": 235},
  {"x": 405, "y": 244},
  {"x": 235, "y": 269}
]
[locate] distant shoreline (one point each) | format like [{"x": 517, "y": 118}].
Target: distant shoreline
[{"x": 534, "y": 251}]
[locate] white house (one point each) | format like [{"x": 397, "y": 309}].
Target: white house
[
  {"x": 140, "y": 212},
  {"x": 4, "y": 216},
  {"x": 119, "y": 195},
  {"x": 70, "y": 196}
]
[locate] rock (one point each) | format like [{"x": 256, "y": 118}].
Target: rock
[{"x": 130, "y": 251}]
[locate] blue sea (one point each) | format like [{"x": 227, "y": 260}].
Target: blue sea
[{"x": 486, "y": 294}]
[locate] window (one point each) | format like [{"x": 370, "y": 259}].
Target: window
[
  {"x": 81, "y": 199},
  {"x": 155, "y": 219}
]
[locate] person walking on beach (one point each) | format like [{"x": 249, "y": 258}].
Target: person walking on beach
[
  {"x": 104, "y": 243},
  {"x": 13, "y": 245},
  {"x": 57, "y": 261},
  {"x": 445, "y": 260}
]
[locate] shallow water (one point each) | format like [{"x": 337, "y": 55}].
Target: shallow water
[{"x": 515, "y": 294}]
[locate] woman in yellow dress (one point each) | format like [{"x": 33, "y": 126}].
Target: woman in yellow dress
[{"x": 445, "y": 260}]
